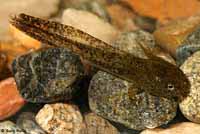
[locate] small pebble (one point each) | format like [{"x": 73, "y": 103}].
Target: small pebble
[
  {"x": 90, "y": 24},
  {"x": 122, "y": 17},
  {"x": 179, "y": 128},
  {"x": 32, "y": 7},
  {"x": 94, "y": 7},
  {"x": 109, "y": 98},
  {"x": 189, "y": 46},
  {"x": 190, "y": 106},
  {"x": 8, "y": 127},
  {"x": 95, "y": 124},
  {"x": 48, "y": 75},
  {"x": 10, "y": 99},
  {"x": 26, "y": 121},
  {"x": 60, "y": 119}
]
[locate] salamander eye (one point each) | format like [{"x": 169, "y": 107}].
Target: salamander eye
[{"x": 170, "y": 87}]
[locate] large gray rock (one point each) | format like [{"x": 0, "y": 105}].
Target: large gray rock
[
  {"x": 48, "y": 75},
  {"x": 110, "y": 97}
]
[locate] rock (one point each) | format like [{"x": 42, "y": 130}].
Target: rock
[
  {"x": 14, "y": 49},
  {"x": 4, "y": 72},
  {"x": 86, "y": 21},
  {"x": 122, "y": 17},
  {"x": 131, "y": 42},
  {"x": 171, "y": 36},
  {"x": 60, "y": 119},
  {"x": 3, "y": 60},
  {"x": 74, "y": 3},
  {"x": 95, "y": 7},
  {"x": 95, "y": 124},
  {"x": 109, "y": 98},
  {"x": 8, "y": 127},
  {"x": 27, "y": 122},
  {"x": 48, "y": 75},
  {"x": 10, "y": 99},
  {"x": 145, "y": 23},
  {"x": 165, "y": 11},
  {"x": 190, "y": 106},
  {"x": 24, "y": 39},
  {"x": 179, "y": 128},
  {"x": 33, "y": 7},
  {"x": 190, "y": 45}
]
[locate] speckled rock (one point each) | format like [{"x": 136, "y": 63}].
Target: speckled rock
[
  {"x": 33, "y": 7},
  {"x": 60, "y": 119},
  {"x": 8, "y": 127},
  {"x": 102, "y": 30},
  {"x": 27, "y": 122},
  {"x": 47, "y": 75},
  {"x": 190, "y": 106},
  {"x": 109, "y": 97},
  {"x": 179, "y": 128},
  {"x": 190, "y": 45},
  {"x": 95, "y": 124}
]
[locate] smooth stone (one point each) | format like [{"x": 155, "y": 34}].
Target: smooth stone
[
  {"x": 131, "y": 42},
  {"x": 95, "y": 124},
  {"x": 164, "y": 11},
  {"x": 74, "y": 3},
  {"x": 60, "y": 118},
  {"x": 10, "y": 99},
  {"x": 8, "y": 127},
  {"x": 26, "y": 121},
  {"x": 122, "y": 17},
  {"x": 179, "y": 128},
  {"x": 25, "y": 40},
  {"x": 190, "y": 45},
  {"x": 172, "y": 35},
  {"x": 86, "y": 22},
  {"x": 109, "y": 98},
  {"x": 32, "y": 7},
  {"x": 190, "y": 105},
  {"x": 48, "y": 75},
  {"x": 94, "y": 7}
]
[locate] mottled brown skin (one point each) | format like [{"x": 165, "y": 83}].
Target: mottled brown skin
[{"x": 153, "y": 75}]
